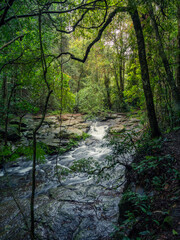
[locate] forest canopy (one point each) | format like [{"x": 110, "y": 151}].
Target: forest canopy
[{"x": 94, "y": 56}]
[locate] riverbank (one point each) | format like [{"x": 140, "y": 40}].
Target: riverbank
[
  {"x": 150, "y": 204},
  {"x": 57, "y": 131}
]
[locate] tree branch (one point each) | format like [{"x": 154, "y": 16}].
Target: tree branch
[
  {"x": 36, "y": 14},
  {"x": 9, "y": 4},
  {"x": 10, "y": 62},
  {"x": 108, "y": 21},
  {"x": 13, "y": 40}
]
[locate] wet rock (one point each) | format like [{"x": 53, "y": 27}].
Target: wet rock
[
  {"x": 72, "y": 206},
  {"x": 117, "y": 129},
  {"x": 74, "y": 131},
  {"x": 83, "y": 125},
  {"x": 71, "y": 122}
]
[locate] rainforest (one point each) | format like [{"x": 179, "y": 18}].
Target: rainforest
[{"x": 90, "y": 120}]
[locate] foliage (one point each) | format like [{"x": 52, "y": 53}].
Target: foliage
[
  {"x": 91, "y": 99},
  {"x": 40, "y": 41},
  {"x": 143, "y": 213},
  {"x": 9, "y": 154}
]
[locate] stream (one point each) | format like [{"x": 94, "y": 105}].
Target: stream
[{"x": 78, "y": 206}]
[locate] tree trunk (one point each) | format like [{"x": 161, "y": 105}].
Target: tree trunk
[
  {"x": 169, "y": 72},
  {"x": 124, "y": 68},
  {"x": 4, "y": 89},
  {"x": 121, "y": 77},
  {"x": 7, "y": 114},
  {"x": 119, "y": 82},
  {"x": 144, "y": 71},
  {"x": 76, "y": 109},
  {"x": 44, "y": 67},
  {"x": 106, "y": 83},
  {"x": 33, "y": 185},
  {"x": 178, "y": 50}
]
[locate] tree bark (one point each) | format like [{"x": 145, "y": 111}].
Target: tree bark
[
  {"x": 178, "y": 50},
  {"x": 169, "y": 72},
  {"x": 144, "y": 70},
  {"x": 4, "y": 89},
  {"x": 121, "y": 76},
  {"x": 7, "y": 113},
  {"x": 34, "y": 164},
  {"x": 33, "y": 185},
  {"x": 78, "y": 89},
  {"x": 106, "y": 83},
  {"x": 119, "y": 81}
]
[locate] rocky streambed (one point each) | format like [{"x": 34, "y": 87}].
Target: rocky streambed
[{"x": 73, "y": 205}]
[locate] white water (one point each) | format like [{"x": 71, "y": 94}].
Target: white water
[
  {"x": 91, "y": 148},
  {"x": 98, "y": 132},
  {"x": 87, "y": 221}
]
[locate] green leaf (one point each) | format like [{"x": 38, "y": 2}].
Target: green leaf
[
  {"x": 144, "y": 233},
  {"x": 156, "y": 222},
  {"x": 168, "y": 220},
  {"x": 126, "y": 238},
  {"x": 143, "y": 209},
  {"x": 174, "y": 232}
]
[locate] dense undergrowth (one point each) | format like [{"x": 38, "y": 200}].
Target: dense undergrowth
[{"x": 148, "y": 209}]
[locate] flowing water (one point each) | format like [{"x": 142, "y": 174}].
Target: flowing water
[{"x": 77, "y": 206}]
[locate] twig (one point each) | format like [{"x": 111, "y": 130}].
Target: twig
[{"x": 13, "y": 40}]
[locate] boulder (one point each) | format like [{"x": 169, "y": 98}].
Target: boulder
[
  {"x": 117, "y": 129},
  {"x": 74, "y": 131},
  {"x": 134, "y": 120},
  {"x": 83, "y": 126},
  {"x": 71, "y": 122}
]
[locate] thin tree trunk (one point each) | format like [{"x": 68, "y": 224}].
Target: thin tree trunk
[
  {"x": 116, "y": 79},
  {"x": 124, "y": 68},
  {"x": 78, "y": 89},
  {"x": 169, "y": 72},
  {"x": 7, "y": 113},
  {"x": 119, "y": 83},
  {"x": 34, "y": 165},
  {"x": 4, "y": 89},
  {"x": 178, "y": 48},
  {"x": 121, "y": 77},
  {"x": 33, "y": 185},
  {"x": 106, "y": 83},
  {"x": 144, "y": 71},
  {"x": 44, "y": 67}
]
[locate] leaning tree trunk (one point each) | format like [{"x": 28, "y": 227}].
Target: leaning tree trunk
[
  {"x": 169, "y": 72},
  {"x": 144, "y": 70}
]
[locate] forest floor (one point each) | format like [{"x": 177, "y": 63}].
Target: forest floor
[
  {"x": 172, "y": 147},
  {"x": 150, "y": 206}
]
